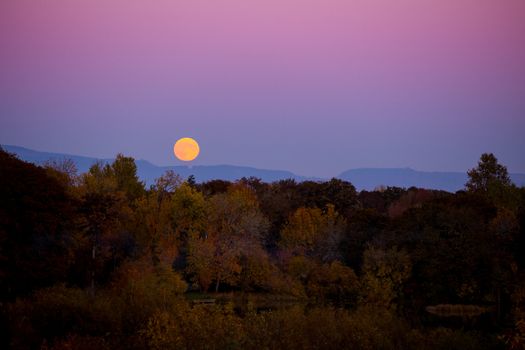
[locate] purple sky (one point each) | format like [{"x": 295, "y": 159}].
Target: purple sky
[{"x": 311, "y": 86}]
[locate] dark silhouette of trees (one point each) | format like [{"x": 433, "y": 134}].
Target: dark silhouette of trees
[
  {"x": 489, "y": 174},
  {"x": 37, "y": 217},
  {"x": 97, "y": 261}
]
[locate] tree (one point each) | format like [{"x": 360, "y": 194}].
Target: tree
[
  {"x": 106, "y": 218},
  {"x": 37, "y": 218},
  {"x": 99, "y": 179},
  {"x": 65, "y": 169},
  {"x": 332, "y": 281},
  {"x": 342, "y": 194},
  {"x": 200, "y": 260},
  {"x": 188, "y": 208},
  {"x": 213, "y": 187},
  {"x": 168, "y": 182},
  {"x": 384, "y": 273},
  {"x": 125, "y": 172},
  {"x": 414, "y": 198},
  {"x": 235, "y": 229},
  {"x": 191, "y": 180},
  {"x": 302, "y": 230},
  {"x": 189, "y": 217},
  {"x": 314, "y": 233},
  {"x": 153, "y": 227},
  {"x": 487, "y": 175}
]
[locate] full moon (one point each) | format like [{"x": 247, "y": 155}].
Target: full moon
[{"x": 186, "y": 149}]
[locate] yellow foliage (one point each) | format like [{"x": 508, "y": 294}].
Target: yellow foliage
[
  {"x": 385, "y": 271},
  {"x": 311, "y": 231}
]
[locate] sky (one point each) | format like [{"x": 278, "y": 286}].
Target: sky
[{"x": 311, "y": 86}]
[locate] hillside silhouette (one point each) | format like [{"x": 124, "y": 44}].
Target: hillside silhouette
[{"x": 362, "y": 179}]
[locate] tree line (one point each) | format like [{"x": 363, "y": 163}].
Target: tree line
[{"x": 97, "y": 260}]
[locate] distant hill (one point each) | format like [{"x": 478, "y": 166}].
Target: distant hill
[
  {"x": 362, "y": 179},
  {"x": 148, "y": 172},
  {"x": 370, "y": 178}
]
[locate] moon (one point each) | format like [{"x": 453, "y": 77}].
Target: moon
[{"x": 186, "y": 149}]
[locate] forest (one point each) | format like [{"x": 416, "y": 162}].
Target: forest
[{"x": 99, "y": 261}]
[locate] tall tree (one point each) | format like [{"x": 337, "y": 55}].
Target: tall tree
[
  {"x": 124, "y": 170},
  {"x": 235, "y": 229},
  {"x": 188, "y": 208},
  {"x": 487, "y": 175},
  {"x": 107, "y": 192}
]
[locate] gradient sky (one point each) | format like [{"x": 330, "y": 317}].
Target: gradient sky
[{"x": 311, "y": 86}]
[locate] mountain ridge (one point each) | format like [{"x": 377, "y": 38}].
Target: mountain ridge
[{"x": 361, "y": 178}]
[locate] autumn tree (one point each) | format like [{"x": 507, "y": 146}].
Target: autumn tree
[
  {"x": 415, "y": 197},
  {"x": 332, "y": 281},
  {"x": 363, "y": 226},
  {"x": 302, "y": 230},
  {"x": 64, "y": 169},
  {"x": 213, "y": 187},
  {"x": 167, "y": 183},
  {"x": 153, "y": 231},
  {"x": 384, "y": 273},
  {"x": 188, "y": 210},
  {"x": 200, "y": 260},
  {"x": 124, "y": 170},
  {"x": 235, "y": 229},
  {"x": 342, "y": 194},
  {"x": 314, "y": 233},
  {"x": 107, "y": 191},
  {"x": 487, "y": 175},
  {"x": 278, "y": 202},
  {"x": 37, "y": 219}
]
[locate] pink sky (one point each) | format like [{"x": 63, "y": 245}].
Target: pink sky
[{"x": 310, "y": 86}]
